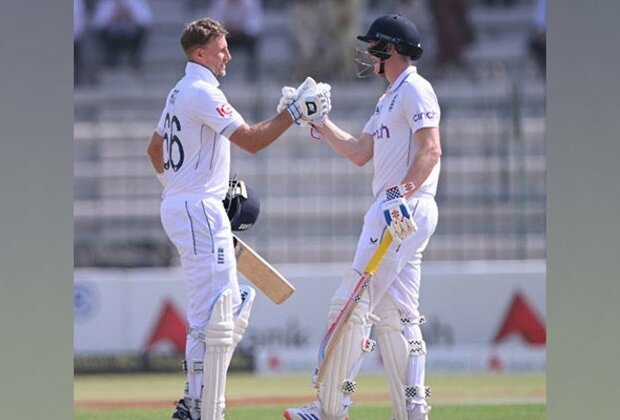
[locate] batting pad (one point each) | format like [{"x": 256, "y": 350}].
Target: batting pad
[
  {"x": 404, "y": 356},
  {"x": 243, "y": 318},
  {"x": 219, "y": 343},
  {"x": 338, "y": 383}
]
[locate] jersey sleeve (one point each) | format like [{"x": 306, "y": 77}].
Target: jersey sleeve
[
  {"x": 421, "y": 108},
  {"x": 212, "y": 108},
  {"x": 159, "y": 129},
  {"x": 369, "y": 128}
]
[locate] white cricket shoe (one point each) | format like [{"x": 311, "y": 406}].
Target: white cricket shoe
[{"x": 311, "y": 411}]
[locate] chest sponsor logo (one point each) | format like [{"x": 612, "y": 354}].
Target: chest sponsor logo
[
  {"x": 382, "y": 132},
  {"x": 224, "y": 110},
  {"x": 430, "y": 115}
]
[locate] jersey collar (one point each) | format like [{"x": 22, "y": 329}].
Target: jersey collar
[
  {"x": 401, "y": 78},
  {"x": 202, "y": 72}
]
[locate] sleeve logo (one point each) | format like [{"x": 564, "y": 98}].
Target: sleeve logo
[
  {"x": 424, "y": 115},
  {"x": 224, "y": 110}
]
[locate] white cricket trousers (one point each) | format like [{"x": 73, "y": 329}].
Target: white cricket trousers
[
  {"x": 399, "y": 272},
  {"x": 200, "y": 230}
]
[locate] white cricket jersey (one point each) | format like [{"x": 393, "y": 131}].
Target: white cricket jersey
[
  {"x": 408, "y": 105},
  {"x": 195, "y": 124}
]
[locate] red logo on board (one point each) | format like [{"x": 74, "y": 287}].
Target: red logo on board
[
  {"x": 522, "y": 320},
  {"x": 170, "y": 327}
]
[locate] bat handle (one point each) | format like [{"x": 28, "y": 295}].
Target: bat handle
[{"x": 374, "y": 262}]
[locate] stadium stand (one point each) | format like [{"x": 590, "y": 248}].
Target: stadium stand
[{"x": 492, "y": 188}]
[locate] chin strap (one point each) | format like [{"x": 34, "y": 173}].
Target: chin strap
[{"x": 382, "y": 68}]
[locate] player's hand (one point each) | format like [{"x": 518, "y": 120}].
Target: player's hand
[
  {"x": 312, "y": 104},
  {"x": 290, "y": 94},
  {"x": 288, "y": 97},
  {"x": 396, "y": 211}
]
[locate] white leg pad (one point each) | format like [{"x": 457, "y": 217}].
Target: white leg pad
[
  {"x": 242, "y": 320},
  {"x": 219, "y": 339},
  {"x": 404, "y": 355},
  {"x": 338, "y": 383}
]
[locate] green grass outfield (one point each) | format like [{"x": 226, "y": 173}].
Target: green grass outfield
[{"x": 455, "y": 397}]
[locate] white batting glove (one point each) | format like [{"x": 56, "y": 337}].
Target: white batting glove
[
  {"x": 396, "y": 211},
  {"x": 312, "y": 104},
  {"x": 290, "y": 94},
  {"x": 288, "y": 97}
]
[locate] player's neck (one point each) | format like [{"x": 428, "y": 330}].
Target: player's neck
[
  {"x": 202, "y": 65},
  {"x": 392, "y": 72}
]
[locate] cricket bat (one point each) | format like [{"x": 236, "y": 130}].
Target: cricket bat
[
  {"x": 261, "y": 273},
  {"x": 335, "y": 331}
]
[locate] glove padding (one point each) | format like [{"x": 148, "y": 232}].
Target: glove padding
[
  {"x": 308, "y": 104},
  {"x": 397, "y": 214},
  {"x": 290, "y": 94}
]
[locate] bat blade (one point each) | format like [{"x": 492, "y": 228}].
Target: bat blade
[{"x": 262, "y": 274}]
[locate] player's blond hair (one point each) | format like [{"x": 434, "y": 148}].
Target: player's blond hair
[{"x": 201, "y": 32}]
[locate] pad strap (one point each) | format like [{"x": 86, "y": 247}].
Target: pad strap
[
  {"x": 348, "y": 386},
  {"x": 416, "y": 392},
  {"x": 416, "y": 347},
  {"x": 194, "y": 366}
]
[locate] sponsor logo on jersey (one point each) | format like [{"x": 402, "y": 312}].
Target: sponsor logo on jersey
[
  {"x": 382, "y": 132},
  {"x": 224, "y": 110},
  {"x": 424, "y": 116}
]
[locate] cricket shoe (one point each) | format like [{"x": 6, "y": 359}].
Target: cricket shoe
[
  {"x": 311, "y": 411},
  {"x": 181, "y": 411}
]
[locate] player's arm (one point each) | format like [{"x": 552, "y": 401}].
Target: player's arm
[
  {"x": 425, "y": 159},
  {"x": 313, "y": 103},
  {"x": 358, "y": 150},
  {"x": 253, "y": 138},
  {"x": 155, "y": 150}
]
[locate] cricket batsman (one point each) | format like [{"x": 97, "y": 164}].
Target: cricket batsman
[
  {"x": 402, "y": 139},
  {"x": 190, "y": 151}
]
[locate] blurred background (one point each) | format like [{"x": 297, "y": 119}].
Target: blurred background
[{"x": 483, "y": 288}]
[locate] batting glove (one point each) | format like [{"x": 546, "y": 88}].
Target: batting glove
[
  {"x": 312, "y": 105},
  {"x": 290, "y": 94},
  {"x": 288, "y": 97},
  {"x": 396, "y": 212},
  {"x": 308, "y": 104}
]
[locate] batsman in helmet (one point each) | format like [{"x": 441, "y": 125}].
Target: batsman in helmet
[{"x": 401, "y": 138}]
